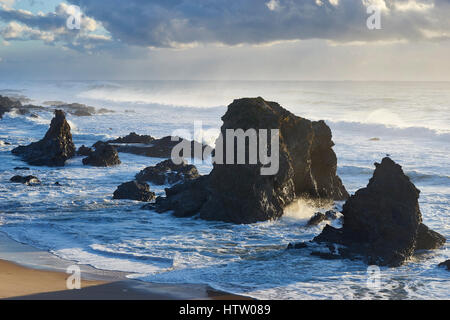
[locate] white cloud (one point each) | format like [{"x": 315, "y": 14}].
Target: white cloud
[
  {"x": 412, "y": 5},
  {"x": 6, "y": 3},
  {"x": 273, "y": 5},
  {"x": 51, "y": 28}
]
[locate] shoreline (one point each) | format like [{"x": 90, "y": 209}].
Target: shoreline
[{"x": 27, "y": 273}]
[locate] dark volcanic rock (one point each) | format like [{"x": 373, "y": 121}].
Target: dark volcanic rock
[
  {"x": 84, "y": 151},
  {"x": 316, "y": 219},
  {"x": 428, "y": 239},
  {"x": 77, "y": 109},
  {"x": 104, "y": 155},
  {"x": 299, "y": 245},
  {"x": 383, "y": 220},
  {"x": 184, "y": 199},
  {"x": 134, "y": 190},
  {"x": 133, "y": 137},
  {"x": 168, "y": 172},
  {"x": 445, "y": 264},
  {"x": 7, "y": 105},
  {"x": 28, "y": 180},
  {"x": 238, "y": 193},
  {"x": 54, "y": 149},
  {"x": 159, "y": 148},
  {"x": 21, "y": 168}
]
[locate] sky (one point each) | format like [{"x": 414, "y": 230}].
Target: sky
[{"x": 408, "y": 40}]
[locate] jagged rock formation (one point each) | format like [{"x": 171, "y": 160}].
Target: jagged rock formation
[
  {"x": 166, "y": 172},
  {"x": 383, "y": 222},
  {"x": 238, "y": 193},
  {"x": 104, "y": 155},
  {"x": 54, "y": 149},
  {"x": 134, "y": 190}
]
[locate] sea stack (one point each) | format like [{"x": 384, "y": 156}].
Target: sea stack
[
  {"x": 54, "y": 149},
  {"x": 239, "y": 193},
  {"x": 383, "y": 221}
]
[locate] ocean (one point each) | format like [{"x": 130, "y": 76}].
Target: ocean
[{"x": 410, "y": 121}]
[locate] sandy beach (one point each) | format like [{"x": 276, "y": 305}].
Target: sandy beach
[{"x": 40, "y": 276}]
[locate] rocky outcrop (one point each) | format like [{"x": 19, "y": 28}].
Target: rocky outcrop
[
  {"x": 84, "y": 151},
  {"x": 239, "y": 193},
  {"x": 77, "y": 109},
  {"x": 159, "y": 148},
  {"x": 28, "y": 180},
  {"x": 428, "y": 239},
  {"x": 185, "y": 200},
  {"x": 383, "y": 222},
  {"x": 319, "y": 217},
  {"x": 166, "y": 172},
  {"x": 445, "y": 264},
  {"x": 7, "y": 105},
  {"x": 54, "y": 149},
  {"x": 134, "y": 190},
  {"x": 105, "y": 155},
  {"x": 133, "y": 137}
]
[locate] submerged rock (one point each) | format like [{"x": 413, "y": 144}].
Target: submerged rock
[
  {"x": 134, "y": 190},
  {"x": 104, "y": 155},
  {"x": 133, "y": 137},
  {"x": 21, "y": 168},
  {"x": 54, "y": 149},
  {"x": 445, "y": 264},
  {"x": 298, "y": 245},
  {"x": 166, "y": 172},
  {"x": 238, "y": 193},
  {"x": 383, "y": 221},
  {"x": 28, "y": 180}
]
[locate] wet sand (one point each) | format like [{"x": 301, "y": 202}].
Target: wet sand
[{"x": 38, "y": 275}]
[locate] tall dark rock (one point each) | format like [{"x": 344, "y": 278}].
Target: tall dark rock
[
  {"x": 239, "y": 193},
  {"x": 54, "y": 149},
  {"x": 383, "y": 221}
]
